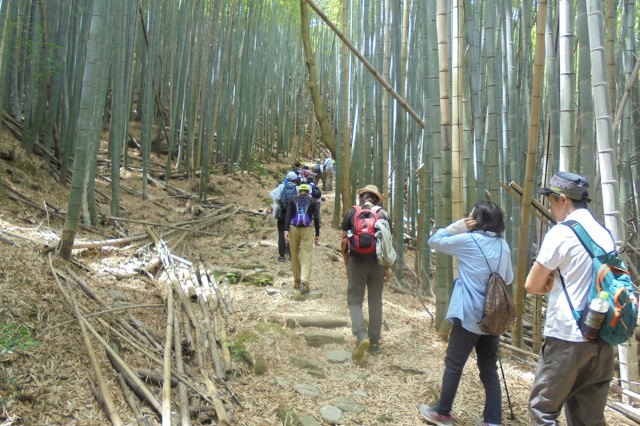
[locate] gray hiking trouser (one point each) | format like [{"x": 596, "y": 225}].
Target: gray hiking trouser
[
  {"x": 573, "y": 375},
  {"x": 365, "y": 274}
]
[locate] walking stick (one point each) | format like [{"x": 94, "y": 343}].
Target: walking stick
[{"x": 504, "y": 379}]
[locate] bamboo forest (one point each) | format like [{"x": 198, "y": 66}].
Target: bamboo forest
[{"x": 122, "y": 106}]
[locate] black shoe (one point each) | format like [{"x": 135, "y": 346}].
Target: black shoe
[
  {"x": 374, "y": 347},
  {"x": 281, "y": 258}
]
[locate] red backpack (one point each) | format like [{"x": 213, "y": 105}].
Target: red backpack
[{"x": 364, "y": 239}]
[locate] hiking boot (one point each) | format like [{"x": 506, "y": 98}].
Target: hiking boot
[
  {"x": 361, "y": 347},
  {"x": 305, "y": 287},
  {"x": 296, "y": 285},
  {"x": 281, "y": 258},
  {"x": 432, "y": 417},
  {"x": 374, "y": 348}
]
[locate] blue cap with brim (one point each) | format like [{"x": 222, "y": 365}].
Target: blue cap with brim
[{"x": 572, "y": 185}]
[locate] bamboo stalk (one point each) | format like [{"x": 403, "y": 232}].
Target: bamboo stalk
[
  {"x": 213, "y": 346},
  {"x": 108, "y": 311},
  {"x": 182, "y": 389},
  {"x": 102, "y": 390},
  {"x": 95, "y": 296},
  {"x": 166, "y": 388},
  {"x": 109, "y": 242},
  {"x": 131, "y": 402},
  {"x": 129, "y": 375}
]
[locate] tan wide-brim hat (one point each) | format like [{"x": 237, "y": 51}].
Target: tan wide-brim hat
[{"x": 372, "y": 189}]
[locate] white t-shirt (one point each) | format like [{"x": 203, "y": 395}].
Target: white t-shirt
[{"x": 562, "y": 251}]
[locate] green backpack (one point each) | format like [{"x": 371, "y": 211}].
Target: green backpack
[{"x": 610, "y": 274}]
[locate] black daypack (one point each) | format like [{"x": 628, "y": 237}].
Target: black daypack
[
  {"x": 315, "y": 190},
  {"x": 498, "y": 311}
]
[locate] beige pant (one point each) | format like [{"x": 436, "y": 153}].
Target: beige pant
[{"x": 301, "y": 246}]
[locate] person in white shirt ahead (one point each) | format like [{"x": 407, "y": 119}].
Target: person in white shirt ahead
[{"x": 572, "y": 371}]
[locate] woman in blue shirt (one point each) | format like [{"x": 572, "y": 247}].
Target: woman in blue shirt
[{"x": 471, "y": 240}]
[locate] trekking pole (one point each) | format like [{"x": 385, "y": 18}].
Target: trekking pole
[{"x": 504, "y": 379}]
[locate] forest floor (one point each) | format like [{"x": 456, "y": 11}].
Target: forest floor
[{"x": 46, "y": 374}]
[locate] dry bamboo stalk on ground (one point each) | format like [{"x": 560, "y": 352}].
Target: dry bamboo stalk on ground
[
  {"x": 213, "y": 345},
  {"x": 213, "y": 393},
  {"x": 109, "y": 242},
  {"x": 220, "y": 326},
  {"x": 95, "y": 390},
  {"x": 132, "y": 379},
  {"x": 166, "y": 388},
  {"x": 95, "y": 296},
  {"x": 183, "y": 398},
  {"x": 7, "y": 240},
  {"x": 155, "y": 377},
  {"x": 144, "y": 351},
  {"x": 102, "y": 390},
  {"x": 131, "y": 402},
  {"x": 223, "y": 304},
  {"x": 158, "y": 361},
  {"x": 109, "y": 311},
  {"x": 111, "y": 411}
]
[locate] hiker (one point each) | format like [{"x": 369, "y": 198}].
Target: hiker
[
  {"x": 281, "y": 196},
  {"x": 471, "y": 240},
  {"x": 302, "y": 210},
  {"x": 297, "y": 169},
  {"x": 306, "y": 173},
  {"x": 328, "y": 170},
  {"x": 364, "y": 272},
  {"x": 317, "y": 168},
  {"x": 572, "y": 371},
  {"x": 316, "y": 193}
]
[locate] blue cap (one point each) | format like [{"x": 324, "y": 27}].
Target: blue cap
[{"x": 572, "y": 185}]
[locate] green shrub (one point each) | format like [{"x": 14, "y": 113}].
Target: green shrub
[{"x": 14, "y": 337}]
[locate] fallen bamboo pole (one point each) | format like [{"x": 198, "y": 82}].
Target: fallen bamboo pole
[
  {"x": 102, "y": 390},
  {"x": 130, "y": 400},
  {"x": 166, "y": 388},
  {"x": 183, "y": 398}
]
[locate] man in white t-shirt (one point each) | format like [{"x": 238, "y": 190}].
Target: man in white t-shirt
[{"x": 572, "y": 371}]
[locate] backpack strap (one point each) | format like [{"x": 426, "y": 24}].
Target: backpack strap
[
  {"x": 485, "y": 257},
  {"x": 587, "y": 242},
  {"x": 593, "y": 249},
  {"x": 575, "y": 313}
]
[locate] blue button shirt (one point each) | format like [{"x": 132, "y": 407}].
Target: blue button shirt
[{"x": 467, "y": 299}]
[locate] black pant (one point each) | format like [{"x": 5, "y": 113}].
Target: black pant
[
  {"x": 281, "y": 243},
  {"x": 461, "y": 343}
]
